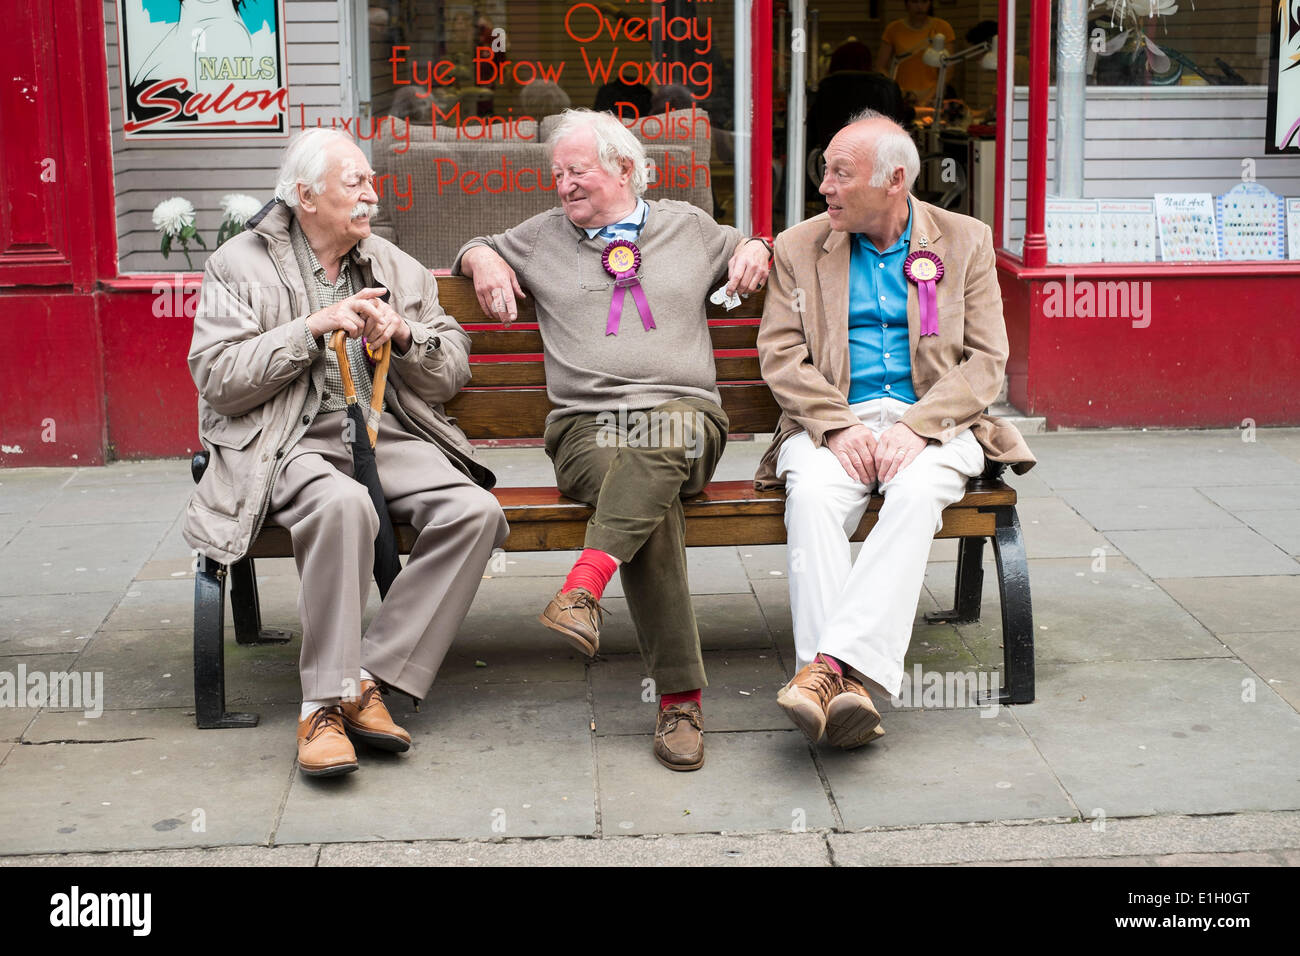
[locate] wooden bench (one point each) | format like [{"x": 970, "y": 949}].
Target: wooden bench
[{"x": 507, "y": 400}]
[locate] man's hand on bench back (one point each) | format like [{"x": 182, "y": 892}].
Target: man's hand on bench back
[{"x": 495, "y": 283}]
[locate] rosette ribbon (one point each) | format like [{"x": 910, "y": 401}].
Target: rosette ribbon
[
  {"x": 622, "y": 259},
  {"x": 924, "y": 269}
]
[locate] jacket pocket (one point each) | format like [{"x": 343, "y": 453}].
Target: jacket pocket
[{"x": 233, "y": 433}]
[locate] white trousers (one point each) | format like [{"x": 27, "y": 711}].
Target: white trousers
[{"x": 861, "y": 612}]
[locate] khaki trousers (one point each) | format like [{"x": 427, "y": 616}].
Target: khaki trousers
[
  {"x": 636, "y": 479},
  {"x": 333, "y": 525}
]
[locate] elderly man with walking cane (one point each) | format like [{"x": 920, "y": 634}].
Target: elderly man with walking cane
[{"x": 291, "y": 311}]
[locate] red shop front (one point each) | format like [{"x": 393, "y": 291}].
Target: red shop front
[{"x": 100, "y": 328}]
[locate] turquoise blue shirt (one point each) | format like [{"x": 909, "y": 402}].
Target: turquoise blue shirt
[{"x": 880, "y": 357}]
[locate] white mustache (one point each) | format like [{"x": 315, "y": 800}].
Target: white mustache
[{"x": 369, "y": 210}]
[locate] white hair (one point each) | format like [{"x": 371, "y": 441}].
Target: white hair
[
  {"x": 305, "y": 163},
  {"x": 614, "y": 143},
  {"x": 894, "y": 148}
]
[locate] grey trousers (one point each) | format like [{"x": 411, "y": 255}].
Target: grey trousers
[{"x": 333, "y": 525}]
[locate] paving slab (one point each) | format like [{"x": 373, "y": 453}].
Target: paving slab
[
  {"x": 1141, "y": 509},
  {"x": 146, "y": 779},
  {"x": 1206, "y": 552},
  {"x": 764, "y": 562},
  {"x": 725, "y": 621},
  {"x": 150, "y": 471},
  {"x": 10, "y": 525},
  {"x": 1255, "y": 496},
  {"x": 502, "y": 630},
  {"x": 1273, "y": 656},
  {"x": 1282, "y": 527},
  {"x": 704, "y": 849},
  {"x": 487, "y": 761},
  {"x": 24, "y": 695},
  {"x": 155, "y": 668},
  {"x": 150, "y": 605},
  {"x": 1141, "y": 622},
  {"x": 1237, "y": 604},
  {"x": 121, "y": 502},
  {"x": 639, "y": 795},
  {"x": 174, "y": 545},
  {"x": 93, "y": 557},
  {"x": 47, "y": 624},
  {"x": 940, "y": 766},
  {"x": 25, "y": 491},
  {"x": 1052, "y": 529},
  {"x": 1142, "y": 837},
  {"x": 741, "y": 694},
  {"x": 1189, "y": 459},
  {"x": 1135, "y": 738},
  {"x": 168, "y": 569}
]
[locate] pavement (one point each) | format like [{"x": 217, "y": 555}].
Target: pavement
[{"x": 1165, "y": 569}]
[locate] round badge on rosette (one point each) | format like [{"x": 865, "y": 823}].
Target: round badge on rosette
[
  {"x": 924, "y": 269},
  {"x": 622, "y": 260}
]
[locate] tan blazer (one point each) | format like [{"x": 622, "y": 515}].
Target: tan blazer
[{"x": 804, "y": 355}]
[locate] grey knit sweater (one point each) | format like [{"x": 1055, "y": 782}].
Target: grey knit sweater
[{"x": 684, "y": 256}]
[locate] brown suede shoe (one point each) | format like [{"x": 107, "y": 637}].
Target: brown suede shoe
[
  {"x": 851, "y": 718},
  {"x": 367, "y": 717},
  {"x": 679, "y": 737},
  {"x": 323, "y": 747},
  {"x": 807, "y": 696},
  {"x": 577, "y": 616}
]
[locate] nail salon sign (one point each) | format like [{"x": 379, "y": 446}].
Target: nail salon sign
[{"x": 202, "y": 69}]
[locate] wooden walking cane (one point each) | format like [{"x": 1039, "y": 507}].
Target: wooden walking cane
[{"x": 387, "y": 561}]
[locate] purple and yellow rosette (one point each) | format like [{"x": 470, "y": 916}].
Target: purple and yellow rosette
[
  {"x": 622, "y": 259},
  {"x": 924, "y": 269}
]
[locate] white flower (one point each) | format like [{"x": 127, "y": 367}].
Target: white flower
[
  {"x": 172, "y": 215},
  {"x": 239, "y": 208}
]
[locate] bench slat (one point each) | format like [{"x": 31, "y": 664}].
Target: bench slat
[
  {"x": 500, "y": 374},
  {"x": 456, "y": 296},
  {"x": 541, "y": 519}
]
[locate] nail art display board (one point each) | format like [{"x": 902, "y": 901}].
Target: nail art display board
[
  {"x": 1127, "y": 230},
  {"x": 1293, "y": 228},
  {"x": 1188, "y": 232},
  {"x": 1251, "y": 223},
  {"x": 1072, "y": 232}
]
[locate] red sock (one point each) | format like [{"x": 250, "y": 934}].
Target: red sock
[
  {"x": 592, "y": 571},
  {"x": 667, "y": 700},
  {"x": 832, "y": 663}
]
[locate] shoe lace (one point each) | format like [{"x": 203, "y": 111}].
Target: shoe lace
[
  {"x": 825, "y": 683},
  {"x": 583, "y": 599},
  {"x": 676, "y": 713},
  {"x": 326, "y": 718},
  {"x": 371, "y": 694}
]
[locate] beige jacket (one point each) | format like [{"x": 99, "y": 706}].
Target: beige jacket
[
  {"x": 250, "y": 361},
  {"x": 957, "y": 374}
]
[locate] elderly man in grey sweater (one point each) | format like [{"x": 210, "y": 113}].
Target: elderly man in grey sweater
[{"x": 621, "y": 286}]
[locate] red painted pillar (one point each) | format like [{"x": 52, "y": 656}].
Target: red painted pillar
[
  {"x": 1040, "y": 53},
  {"x": 760, "y": 156}
]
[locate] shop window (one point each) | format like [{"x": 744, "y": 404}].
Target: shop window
[
  {"x": 452, "y": 101},
  {"x": 1177, "y": 149}
]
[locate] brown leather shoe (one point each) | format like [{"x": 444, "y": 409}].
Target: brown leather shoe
[
  {"x": 577, "y": 616},
  {"x": 679, "y": 737},
  {"x": 807, "y": 696},
  {"x": 323, "y": 747},
  {"x": 367, "y": 717},
  {"x": 851, "y": 718}
]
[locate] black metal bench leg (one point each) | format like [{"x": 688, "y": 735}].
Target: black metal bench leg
[
  {"x": 247, "y": 609},
  {"x": 1017, "y": 610},
  {"x": 969, "y": 589},
  {"x": 209, "y": 650}
]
